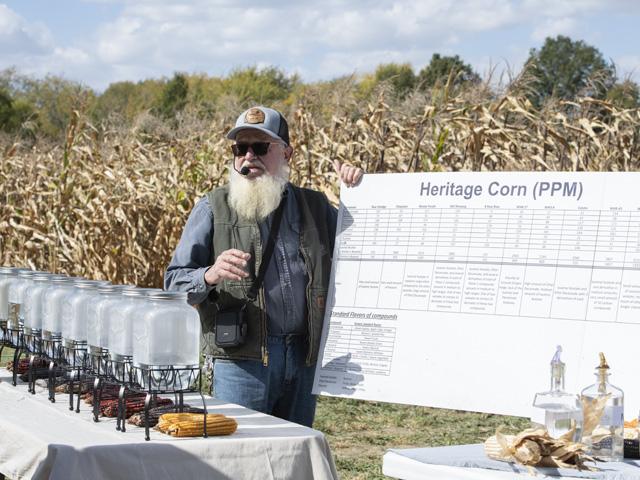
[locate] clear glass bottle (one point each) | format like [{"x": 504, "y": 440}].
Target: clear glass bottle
[
  {"x": 606, "y": 441},
  {"x": 560, "y": 411}
]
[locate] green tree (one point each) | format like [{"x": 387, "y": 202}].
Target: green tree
[
  {"x": 204, "y": 92},
  {"x": 13, "y": 113},
  {"x": 265, "y": 86},
  {"x": 625, "y": 94},
  {"x": 174, "y": 96},
  {"x": 399, "y": 76},
  {"x": 564, "y": 68},
  {"x": 49, "y": 102},
  {"x": 439, "y": 69},
  {"x": 6, "y": 109},
  {"x": 121, "y": 99}
]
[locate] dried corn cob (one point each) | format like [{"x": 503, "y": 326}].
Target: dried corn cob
[
  {"x": 134, "y": 404},
  {"x": 23, "y": 365},
  {"x": 215, "y": 426},
  {"x": 192, "y": 425},
  {"x": 155, "y": 413},
  {"x": 109, "y": 392},
  {"x": 167, "y": 419},
  {"x": 165, "y": 424},
  {"x": 64, "y": 388},
  {"x": 42, "y": 372},
  {"x": 186, "y": 417}
]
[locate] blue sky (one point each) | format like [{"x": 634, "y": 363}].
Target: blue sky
[{"x": 101, "y": 41}]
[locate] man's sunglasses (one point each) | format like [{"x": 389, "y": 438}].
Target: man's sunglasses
[{"x": 258, "y": 148}]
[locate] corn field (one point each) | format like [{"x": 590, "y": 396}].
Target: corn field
[{"x": 111, "y": 202}]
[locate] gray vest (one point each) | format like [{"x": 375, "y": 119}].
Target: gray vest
[{"x": 316, "y": 249}]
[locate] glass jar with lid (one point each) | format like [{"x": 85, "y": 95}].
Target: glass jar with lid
[
  {"x": 8, "y": 276},
  {"x": 58, "y": 286},
  {"x": 131, "y": 309},
  {"x": 16, "y": 296},
  {"x": 75, "y": 308},
  {"x": 33, "y": 303},
  {"x": 169, "y": 333},
  {"x": 15, "y": 320},
  {"x": 97, "y": 323}
]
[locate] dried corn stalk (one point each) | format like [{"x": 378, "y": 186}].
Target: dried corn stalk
[{"x": 111, "y": 203}]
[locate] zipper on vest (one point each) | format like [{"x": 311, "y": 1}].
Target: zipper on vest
[
  {"x": 261, "y": 300},
  {"x": 309, "y": 305},
  {"x": 263, "y": 320}
]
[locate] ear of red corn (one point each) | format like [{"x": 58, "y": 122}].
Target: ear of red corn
[{"x": 155, "y": 413}]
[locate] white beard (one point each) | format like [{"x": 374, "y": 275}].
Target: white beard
[{"x": 255, "y": 199}]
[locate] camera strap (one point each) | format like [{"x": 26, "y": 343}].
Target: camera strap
[{"x": 268, "y": 250}]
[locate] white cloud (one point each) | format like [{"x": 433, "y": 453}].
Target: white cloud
[
  {"x": 19, "y": 37},
  {"x": 123, "y": 40},
  {"x": 318, "y": 38},
  {"x": 562, "y": 8},
  {"x": 628, "y": 66},
  {"x": 553, "y": 27},
  {"x": 71, "y": 55}
]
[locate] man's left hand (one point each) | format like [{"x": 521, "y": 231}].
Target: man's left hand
[{"x": 349, "y": 174}]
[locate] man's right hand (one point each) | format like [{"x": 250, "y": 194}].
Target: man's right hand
[{"x": 229, "y": 266}]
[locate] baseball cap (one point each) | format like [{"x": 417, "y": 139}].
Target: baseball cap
[{"x": 267, "y": 120}]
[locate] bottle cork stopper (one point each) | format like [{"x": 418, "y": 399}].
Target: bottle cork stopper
[{"x": 603, "y": 362}]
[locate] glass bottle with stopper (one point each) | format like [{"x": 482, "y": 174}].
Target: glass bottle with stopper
[
  {"x": 559, "y": 411},
  {"x": 603, "y": 405}
]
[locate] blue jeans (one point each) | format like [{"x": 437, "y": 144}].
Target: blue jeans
[{"x": 282, "y": 388}]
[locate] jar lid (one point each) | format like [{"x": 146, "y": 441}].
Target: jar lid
[
  {"x": 85, "y": 283},
  {"x": 111, "y": 288},
  {"x": 43, "y": 276},
  {"x": 11, "y": 270},
  {"x": 62, "y": 279},
  {"x": 168, "y": 295},
  {"x": 27, "y": 273},
  {"x": 50, "y": 278},
  {"x": 140, "y": 292}
]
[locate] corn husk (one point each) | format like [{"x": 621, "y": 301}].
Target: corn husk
[
  {"x": 592, "y": 411},
  {"x": 534, "y": 447}
]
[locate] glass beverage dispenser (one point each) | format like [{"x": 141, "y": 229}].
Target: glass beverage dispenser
[{"x": 167, "y": 337}]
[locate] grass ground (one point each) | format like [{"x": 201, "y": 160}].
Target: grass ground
[
  {"x": 360, "y": 432},
  {"x": 7, "y": 355}
]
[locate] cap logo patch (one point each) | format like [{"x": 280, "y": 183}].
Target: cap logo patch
[{"x": 254, "y": 115}]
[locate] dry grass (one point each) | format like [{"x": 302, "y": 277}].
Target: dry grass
[{"x": 111, "y": 203}]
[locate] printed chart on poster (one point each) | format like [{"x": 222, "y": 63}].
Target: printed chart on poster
[{"x": 453, "y": 290}]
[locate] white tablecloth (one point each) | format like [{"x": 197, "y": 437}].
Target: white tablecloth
[
  {"x": 468, "y": 462},
  {"x": 43, "y": 440}
]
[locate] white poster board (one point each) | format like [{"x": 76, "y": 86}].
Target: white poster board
[{"x": 452, "y": 290}]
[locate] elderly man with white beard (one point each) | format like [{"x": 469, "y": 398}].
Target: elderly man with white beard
[{"x": 275, "y": 328}]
